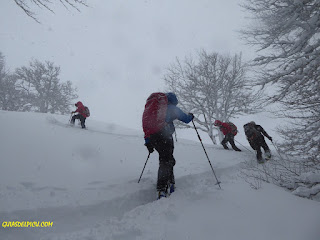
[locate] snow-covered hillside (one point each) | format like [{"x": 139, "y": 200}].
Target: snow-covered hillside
[{"x": 85, "y": 182}]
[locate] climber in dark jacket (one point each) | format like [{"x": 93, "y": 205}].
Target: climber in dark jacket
[{"x": 255, "y": 136}]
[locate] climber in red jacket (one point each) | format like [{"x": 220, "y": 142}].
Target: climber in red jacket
[
  {"x": 229, "y": 130},
  {"x": 81, "y": 116}
]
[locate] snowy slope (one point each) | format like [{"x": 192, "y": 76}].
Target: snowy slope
[{"x": 85, "y": 182}]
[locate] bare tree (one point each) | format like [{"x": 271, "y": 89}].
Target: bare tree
[
  {"x": 287, "y": 34},
  {"x": 62, "y": 102},
  {"x": 212, "y": 87},
  {"x": 3, "y": 72},
  {"x": 41, "y": 85},
  {"x": 10, "y": 97},
  {"x": 25, "y": 5}
]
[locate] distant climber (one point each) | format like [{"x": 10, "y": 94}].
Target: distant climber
[
  {"x": 83, "y": 113},
  {"x": 229, "y": 130}
]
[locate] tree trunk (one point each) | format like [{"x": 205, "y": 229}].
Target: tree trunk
[{"x": 213, "y": 139}]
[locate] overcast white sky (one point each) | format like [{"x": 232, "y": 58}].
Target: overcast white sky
[{"x": 116, "y": 51}]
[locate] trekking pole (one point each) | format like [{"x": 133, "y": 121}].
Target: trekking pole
[
  {"x": 144, "y": 167},
  {"x": 206, "y": 155},
  {"x": 244, "y": 146},
  {"x": 175, "y": 134},
  {"x": 70, "y": 117},
  {"x": 277, "y": 151}
]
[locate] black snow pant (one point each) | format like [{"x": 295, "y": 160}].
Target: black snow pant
[
  {"x": 163, "y": 143},
  {"x": 82, "y": 119},
  {"x": 229, "y": 138},
  {"x": 257, "y": 143}
]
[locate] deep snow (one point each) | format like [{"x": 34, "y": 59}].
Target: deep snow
[{"x": 85, "y": 182}]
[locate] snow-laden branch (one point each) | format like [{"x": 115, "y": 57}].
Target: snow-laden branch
[{"x": 212, "y": 87}]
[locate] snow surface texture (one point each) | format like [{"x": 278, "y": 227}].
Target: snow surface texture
[{"x": 85, "y": 182}]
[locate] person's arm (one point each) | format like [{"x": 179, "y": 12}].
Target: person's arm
[
  {"x": 148, "y": 145},
  {"x": 180, "y": 115},
  {"x": 77, "y": 110},
  {"x": 260, "y": 129}
]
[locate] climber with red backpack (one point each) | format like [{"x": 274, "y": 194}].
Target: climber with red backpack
[
  {"x": 157, "y": 122},
  {"x": 83, "y": 113},
  {"x": 229, "y": 130}
]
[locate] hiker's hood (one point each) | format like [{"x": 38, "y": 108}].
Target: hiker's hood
[
  {"x": 172, "y": 98},
  {"x": 79, "y": 104}
]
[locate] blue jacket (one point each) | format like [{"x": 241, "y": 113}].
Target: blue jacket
[{"x": 173, "y": 113}]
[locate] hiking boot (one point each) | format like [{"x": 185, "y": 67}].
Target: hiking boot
[
  {"x": 260, "y": 160},
  {"x": 161, "y": 194},
  {"x": 267, "y": 155},
  {"x": 224, "y": 146}
]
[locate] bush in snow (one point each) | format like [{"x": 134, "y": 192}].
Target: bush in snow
[{"x": 285, "y": 172}]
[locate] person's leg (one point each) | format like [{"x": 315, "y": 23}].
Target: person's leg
[
  {"x": 255, "y": 145},
  {"x": 166, "y": 163},
  {"x": 259, "y": 154},
  {"x": 252, "y": 144},
  {"x": 82, "y": 120},
  {"x": 266, "y": 148},
  {"x": 164, "y": 146},
  {"x": 74, "y": 117},
  {"x": 224, "y": 142},
  {"x": 230, "y": 138}
]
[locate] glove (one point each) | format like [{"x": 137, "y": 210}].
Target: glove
[
  {"x": 150, "y": 147},
  {"x": 72, "y": 112},
  {"x": 270, "y": 138},
  {"x": 191, "y": 114}
]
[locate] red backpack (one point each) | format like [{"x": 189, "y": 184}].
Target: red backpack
[{"x": 154, "y": 115}]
